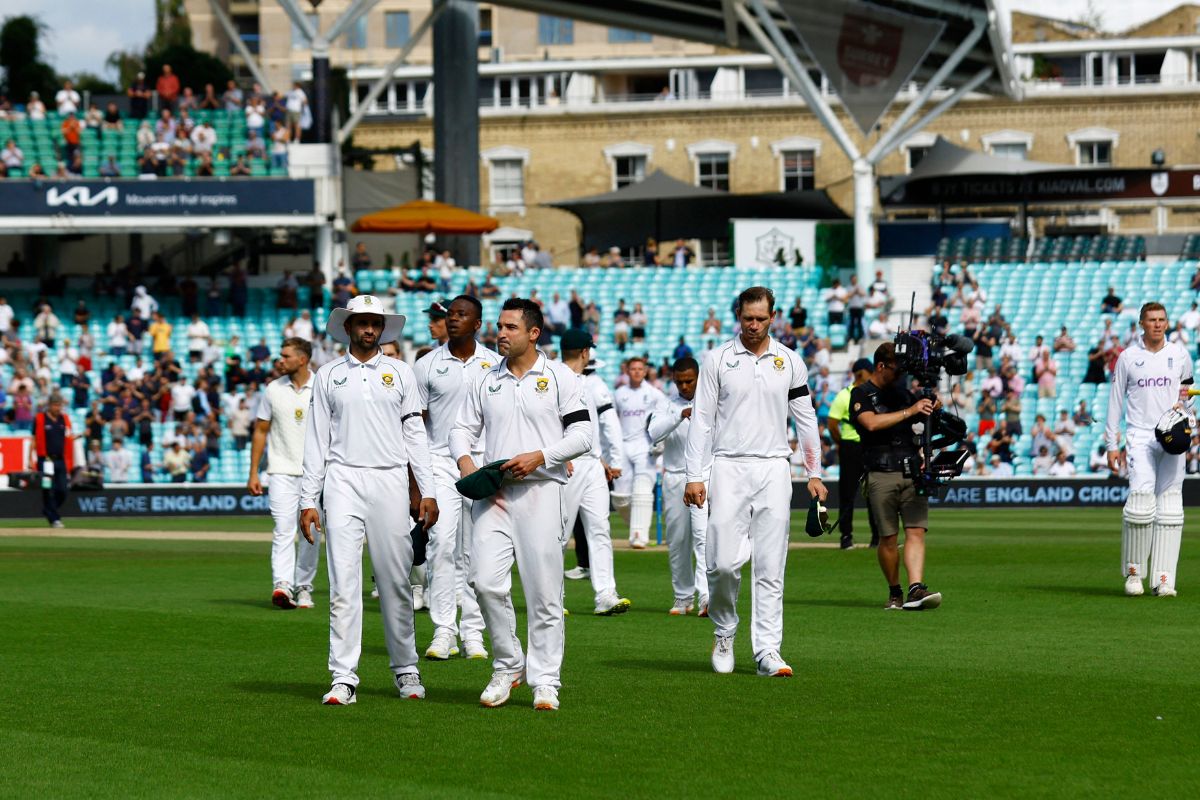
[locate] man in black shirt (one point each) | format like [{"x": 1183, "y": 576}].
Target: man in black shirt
[{"x": 884, "y": 411}]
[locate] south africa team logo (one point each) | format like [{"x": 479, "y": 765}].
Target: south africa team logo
[
  {"x": 543, "y": 385},
  {"x": 388, "y": 380},
  {"x": 778, "y": 364},
  {"x": 299, "y": 414},
  {"x": 485, "y": 365}
]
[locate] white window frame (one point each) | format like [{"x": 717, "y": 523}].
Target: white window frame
[
  {"x": 710, "y": 147},
  {"x": 505, "y": 153},
  {"x": 917, "y": 140},
  {"x": 794, "y": 144},
  {"x": 626, "y": 150},
  {"x": 990, "y": 140},
  {"x": 1094, "y": 134}
]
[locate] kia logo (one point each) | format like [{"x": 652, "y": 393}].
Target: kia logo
[{"x": 81, "y": 196}]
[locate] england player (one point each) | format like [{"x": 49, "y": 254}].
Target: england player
[
  {"x": 1151, "y": 376},
  {"x": 633, "y": 490},
  {"x": 586, "y": 494},
  {"x": 685, "y": 525},
  {"x": 444, "y": 376},
  {"x": 364, "y": 431},
  {"x": 747, "y": 389},
  {"x": 530, "y": 411},
  {"x": 282, "y": 420}
]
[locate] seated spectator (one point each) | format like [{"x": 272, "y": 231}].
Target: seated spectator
[
  {"x": 184, "y": 127},
  {"x": 205, "y": 168},
  {"x": 75, "y": 167},
  {"x": 1002, "y": 442},
  {"x": 110, "y": 169},
  {"x": 187, "y": 100},
  {"x": 615, "y": 260},
  {"x": 591, "y": 259},
  {"x": 167, "y": 127},
  {"x": 12, "y": 156},
  {"x": 1061, "y": 468},
  {"x": 999, "y": 468},
  {"x": 149, "y": 164},
  {"x": 178, "y": 160},
  {"x": 254, "y": 146},
  {"x": 67, "y": 99},
  {"x": 1111, "y": 304},
  {"x": 1063, "y": 343},
  {"x": 682, "y": 350},
  {"x": 204, "y": 139},
  {"x": 489, "y": 288},
  {"x": 1064, "y": 433},
  {"x": 145, "y": 135},
  {"x": 1042, "y": 461},
  {"x": 232, "y": 96},
  {"x": 35, "y": 108},
  {"x": 279, "y": 146},
  {"x": 167, "y": 86},
  {"x": 94, "y": 118},
  {"x": 161, "y": 149},
  {"x": 240, "y": 167},
  {"x": 210, "y": 101},
  {"x": 118, "y": 462}
]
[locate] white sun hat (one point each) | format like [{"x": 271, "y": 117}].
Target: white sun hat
[{"x": 364, "y": 304}]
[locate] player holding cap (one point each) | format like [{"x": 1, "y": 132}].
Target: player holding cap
[
  {"x": 586, "y": 494},
  {"x": 282, "y": 420},
  {"x": 364, "y": 431},
  {"x": 1151, "y": 377},
  {"x": 747, "y": 389},
  {"x": 633, "y": 489},
  {"x": 685, "y": 524},
  {"x": 444, "y": 377},
  {"x": 526, "y": 401}
]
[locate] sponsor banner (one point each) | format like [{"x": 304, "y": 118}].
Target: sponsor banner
[
  {"x": 1026, "y": 493},
  {"x": 162, "y": 197},
  {"x": 758, "y": 243},
  {"x": 1068, "y": 185},
  {"x": 164, "y": 500},
  {"x": 867, "y": 52},
  {"x": 14, "y": 453}
]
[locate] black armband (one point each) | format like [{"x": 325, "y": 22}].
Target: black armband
[
  {"x": 407, "y": 417},
  {"x": 603, "y": 408},
  {"x": 799, "y": 391},
  {"x": 575, "y": 416},
  {"x": 1187, "y": 381}
]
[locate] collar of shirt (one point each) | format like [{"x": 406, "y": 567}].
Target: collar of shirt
[
  {"x": 307, "y": 384},
  {"x": 372, "y": 362},
  {"x": 476, "y": 354},
  {"x": 538, "y": 367},
  {"x": 772, "y": 348}
]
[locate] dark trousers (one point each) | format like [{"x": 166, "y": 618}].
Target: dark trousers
[
  {"x": 56, "y": 495},
  {"x": 855, "y": 332},
  {"x": 581, "y": 549},
  {"x": 850, "y": 472}
]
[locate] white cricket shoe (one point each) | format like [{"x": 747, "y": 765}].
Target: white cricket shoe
[
  {"x": 771, "y": 665},
  {"x": 637, "y": 543},
  {"x": 418, "y": 597},
  {"x": 681, "y": 608},
  {"x": 375, "y": 593},
  {"x": 577, "y": 574},
  {"x": 409, "y": 686},
  {"x": 499, "y": 688},
  {"x": 58, "y": 523},
  {"x": 474, "y": 650},
  {"x": 722, "y": 654},
  {"x": 1163, "y": 587},
  {"x": 610, "y": 604},
  {"x": 282, "y": 597},
  {"x": 304, "y": 598},
  {"x": 545, "y": 698},
  {"x": 1133, "y": 586},
  {"x": 340, "y": 694},
  {"x": 442, "y": 647}
]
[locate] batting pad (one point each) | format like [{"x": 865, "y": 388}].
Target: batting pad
[
  {"x": 1168, "y": 532},
  {"x": 621, "y": 505},
  {"x": 1136, "y": 533}
]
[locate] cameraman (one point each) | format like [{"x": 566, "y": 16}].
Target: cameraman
[{"x": 884, "y": 412}]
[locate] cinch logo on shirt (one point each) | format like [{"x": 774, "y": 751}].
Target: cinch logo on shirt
[
  {"x": 633, "y": 412},
  {"x": 1144, "y": 383}
]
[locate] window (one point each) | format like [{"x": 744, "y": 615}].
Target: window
[
  {"x": 624, "y": 36},
  {"x": 1095, "y": 154},
  {"x": 712, "y": 171},
  {"x": 798, "y": 170},
  {"x": 915, "y": 154},
  {"x": 298, "y": 40},
  {"x": 356, "y": 35},
  {"x": 508, "y": 183},
  {"x": 485, "y": 27},
  {"x": 396, "y": 28},
  {"x": 1016, "y": 151},
  {"x": 555, "y": 30},
  {"x": 714, "y": 252},
  {"x": 628, "y": 170}
]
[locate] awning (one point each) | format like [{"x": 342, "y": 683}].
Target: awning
[{"x": 425, "y": 217}]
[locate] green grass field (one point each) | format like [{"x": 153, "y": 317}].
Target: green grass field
[{"x": 158, "y": 669}]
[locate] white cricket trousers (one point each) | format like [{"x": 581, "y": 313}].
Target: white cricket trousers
[
  {"x": 293, "y": 559},
  {"x": 586, "y": 496},
  {"x": 448, "y": 557},
  {"x": 370, "y": 503},
  {"x": 522, "y": 522},
  {"x": 686, "y": 526},
  {"x": 1151, "y": 469},
  {"x": 749, "y": 517}
]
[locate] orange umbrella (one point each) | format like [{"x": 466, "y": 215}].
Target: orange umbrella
[{"x": 424, "y": 217}]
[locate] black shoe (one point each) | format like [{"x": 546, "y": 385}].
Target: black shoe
[
  {"x": 894, "y": 604},
  {"x": 920, "y": 598},
  {"x": 847, "y": 541},
  {"x": 874, "y": 540}
]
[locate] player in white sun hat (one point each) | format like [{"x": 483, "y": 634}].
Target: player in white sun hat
[
  {"x": 364, "y": 432},
  {"x": 1152, "y": 377}
]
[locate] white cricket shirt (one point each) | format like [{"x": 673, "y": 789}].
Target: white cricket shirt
[
  {"x": 634, "y": 407},
  {"x": 742, "y": 405},
  {"x": 443, "y": 382},
  {"x": 606, "y": 426},
  {"x": 543, "y": 410},
  {"x": 365, "y": 414},
  {"x": 1148, "y": 383},
  {"x": 668, "y": 426},
  {"x": 285, "y": 405}
]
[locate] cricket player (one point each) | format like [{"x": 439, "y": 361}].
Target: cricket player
[
  {"x": 586, "y": 494},
  {"x": 1152, "y": 375},
  {"x": 364, "y": 431},
  {"x": 633, "y": 490},
  {"x": 444, "y": 376},
  {"x": 685, "y": 525},
  {"x": 282, "y": 418},
  {"x": 535, "y": 417},
  {"x": 747, "y": 389}
]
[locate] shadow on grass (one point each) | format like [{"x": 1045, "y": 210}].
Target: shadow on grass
[
  {"x": 1088, "y": 591},
  {"x": 265, "y": 605},
  {"x": 833, "y": 602},
  {"x": 309, "y": 691},
  {"x": 698, "y": 663},
  {"x": 312, "y": 692}
]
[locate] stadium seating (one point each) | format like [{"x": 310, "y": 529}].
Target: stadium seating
[{"x": 1047, "y": 249}]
